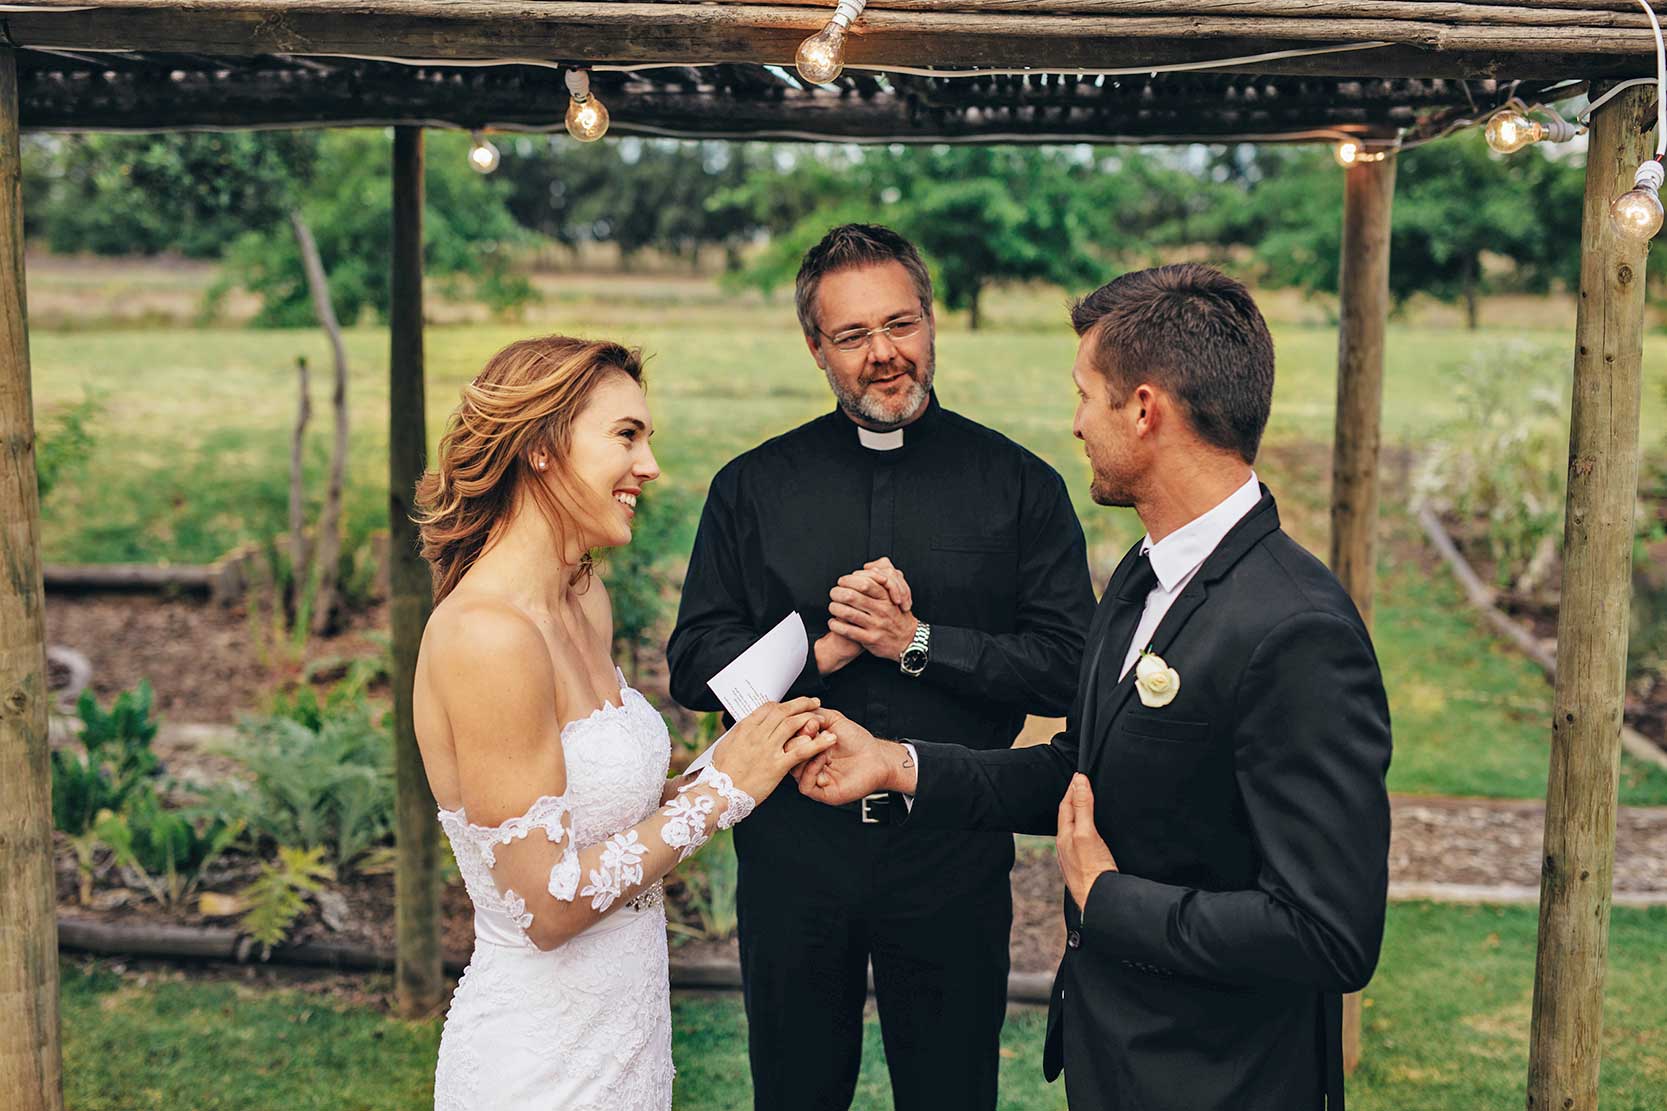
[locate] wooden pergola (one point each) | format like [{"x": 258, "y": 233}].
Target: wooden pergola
[{"x": 1378, "y": 72}]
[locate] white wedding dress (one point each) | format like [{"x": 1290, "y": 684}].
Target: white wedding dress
[{"x": 585, "y": 1026}]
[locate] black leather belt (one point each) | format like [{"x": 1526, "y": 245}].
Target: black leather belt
[{"x": 883, "y": 808}]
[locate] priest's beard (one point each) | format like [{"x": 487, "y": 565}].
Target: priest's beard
[{"x": 880, "y": 412}]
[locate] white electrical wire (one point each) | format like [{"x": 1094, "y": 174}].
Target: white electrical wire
[
  {"x": 1660, "y": 82},
  {"x": 916, "y": 71}
]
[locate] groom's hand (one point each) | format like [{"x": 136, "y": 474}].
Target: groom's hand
[
  {"x": 858, "y": 764},
  {"x": 1083, "y": 854}
]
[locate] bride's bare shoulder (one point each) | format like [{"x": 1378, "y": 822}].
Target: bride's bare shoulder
[{"x": 475, "y": 636}]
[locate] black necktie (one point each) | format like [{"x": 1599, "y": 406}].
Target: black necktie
[{"x": 1131, "y": 604}]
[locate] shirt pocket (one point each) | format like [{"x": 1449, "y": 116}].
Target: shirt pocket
[{"x": 973, "y": 542}]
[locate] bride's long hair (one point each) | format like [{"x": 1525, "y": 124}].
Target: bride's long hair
[{"x": 524, "y": 398}]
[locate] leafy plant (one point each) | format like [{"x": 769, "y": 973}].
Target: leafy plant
[
  {"x": 116, "y": 761},
  {"x": 167, "y": 850},
  {"x": 709, "y": 879},
  {"x": 321, "y": 776},
  {"x": 64, "y": 443},
  {"x": 278, "y": 895},
  {"x": 638, "y": 573},
  {"x": 1501, "y": 464}
]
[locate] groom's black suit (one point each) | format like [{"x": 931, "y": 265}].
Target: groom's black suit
[{"x": 1250, "y": 824}]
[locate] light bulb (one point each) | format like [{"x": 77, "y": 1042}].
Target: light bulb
[
  {"x": 1347, "y": 152},
  {"x": 587, "y": 119},
  {"x": 483, "y": 156},
  {"x": 821, "y": 58},
  {"x": 1509, "y": 131},
  {"x": 1637, "y": 213}
]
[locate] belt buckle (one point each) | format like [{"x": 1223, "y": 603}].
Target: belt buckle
[{"x": 867, "y": 819}]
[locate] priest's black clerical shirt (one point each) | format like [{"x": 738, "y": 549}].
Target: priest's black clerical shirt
[{"x": 983, "y": 530}]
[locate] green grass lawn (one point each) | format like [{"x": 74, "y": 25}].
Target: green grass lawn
[
  {"x": 1446, "y": 1029},
  {"x": 191, "y": 457}
]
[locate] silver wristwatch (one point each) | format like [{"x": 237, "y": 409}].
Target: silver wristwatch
[{"x": 914, "y": 657}]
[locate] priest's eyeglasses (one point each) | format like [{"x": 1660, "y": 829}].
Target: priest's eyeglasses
[{"x": 857, "y": 338}]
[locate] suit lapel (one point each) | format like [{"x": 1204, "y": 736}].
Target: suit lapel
[
  {"x": 1088, "y": 681},
  {"x": 1257, "y": 524}
]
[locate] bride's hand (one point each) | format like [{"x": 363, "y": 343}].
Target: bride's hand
[{"x": 767, "y": 744}]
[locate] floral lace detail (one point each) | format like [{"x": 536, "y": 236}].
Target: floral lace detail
[
  {"x": 585, "y": 1026},
  {"x": 620, "y": 867},
  {"x": 737, "y": 803},
  {"x": 685, "y": 828}
]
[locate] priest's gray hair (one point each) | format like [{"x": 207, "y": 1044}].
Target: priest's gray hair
[{"x": 849, "y": 246}]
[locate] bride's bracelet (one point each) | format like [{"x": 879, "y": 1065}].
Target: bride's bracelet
[{"x": 737, "y": 803}]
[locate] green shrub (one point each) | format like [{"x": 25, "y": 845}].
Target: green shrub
[
  {"x": 63, "y": 443},
  {"x": 639, "y": 575},
  {"x": 1502, "y": 463},
  {"x": 115, "y": 762},
  {"x": 168, "y": 850},
  {"x": 709, "y": 879},
  {"x": 321, "y": 776}
]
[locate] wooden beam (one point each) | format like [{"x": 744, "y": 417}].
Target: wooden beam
[
  {"x": 31, "y": 1065},
  {"x": 1368, "y": 197},
  {"x": 281, "y": 95},
  {"x": 1565, "y": 1042},
  {"x": 419, "y": 986},
  {"x": 638, "y": 32},
  {"x": 1572, "y": 13}
]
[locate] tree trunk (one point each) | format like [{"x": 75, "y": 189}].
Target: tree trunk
[
  {"x": 418, "y": 975},
  {"x": 1565, "y": 1040},
  {"x": 974, "y": 320},
  {"x": 329, "y": 545},
  {"x": 1368, "y": 196},
  {"x": 1472, "y": 290},
  {"x": 297, "y": 499},
  {"x": 31, "y": 1066}
]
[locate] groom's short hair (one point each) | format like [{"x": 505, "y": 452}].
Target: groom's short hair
[
  {"x": 1196, "y": 333},
  {"x": 847, "y": 247}
]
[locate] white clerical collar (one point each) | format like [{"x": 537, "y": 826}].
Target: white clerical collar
[
  {"x": 1184, "y": 551},
  {"x": 880, "y": 441}
]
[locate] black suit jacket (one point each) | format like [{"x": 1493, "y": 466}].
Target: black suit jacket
[{"x": 1250, "y": 824}]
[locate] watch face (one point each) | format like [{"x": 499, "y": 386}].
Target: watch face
[{"x": 913, "y": 659}]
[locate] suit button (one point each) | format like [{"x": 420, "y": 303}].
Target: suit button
[{"x": 1073, "y": 940}]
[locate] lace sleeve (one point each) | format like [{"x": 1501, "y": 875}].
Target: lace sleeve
[{"x": 533, "y": 870}]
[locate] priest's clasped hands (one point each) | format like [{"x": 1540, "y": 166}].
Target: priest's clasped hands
[
  {"x": 869, "y": 610},
  {"x": 860, "y": 764}
]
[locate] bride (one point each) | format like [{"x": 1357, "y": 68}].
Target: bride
[{"x": 549, "y": 770}]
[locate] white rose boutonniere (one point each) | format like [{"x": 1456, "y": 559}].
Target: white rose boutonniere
[{"x": 1155, "y": 681}]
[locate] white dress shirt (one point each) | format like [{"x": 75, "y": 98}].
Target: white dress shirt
[{"x": 1177, "y": 557}]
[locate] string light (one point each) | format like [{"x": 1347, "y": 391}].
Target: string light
[
  {"x": 483, "y": 156},
  {"x": 587, "y": 118},
  {"x": 1351, "y": 152},
  {"x": 1636, "y": 214},
  {"x": 821, "y": 58},
  {"x": 1509, "y": 130}
]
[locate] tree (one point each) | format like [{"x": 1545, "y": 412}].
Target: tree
[
  {"x": 980, "y": 215},
  {"x": 658, "y": 194},
  {"x": 467, "y": 245},
  {"x": 191, "y": 192},
  {"x": 1456, "y": 205}
]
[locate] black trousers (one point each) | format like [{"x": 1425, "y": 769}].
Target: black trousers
[{"x": 820, "y": 895}]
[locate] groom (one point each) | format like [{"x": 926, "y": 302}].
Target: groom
[{"x": 1218, "y": 794}]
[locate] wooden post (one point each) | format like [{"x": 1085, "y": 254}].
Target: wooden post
[
  {"x": 1363, "y": 292},
  {"x": 1566, "y": 1038},
  {"x": 419, "y": 983},
  {"x": 31, "y": 1065}
]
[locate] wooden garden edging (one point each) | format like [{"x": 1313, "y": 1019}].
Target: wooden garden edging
[
  {"x": 222, "y": 944},
  {"x": 1482, "y": 598}
]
